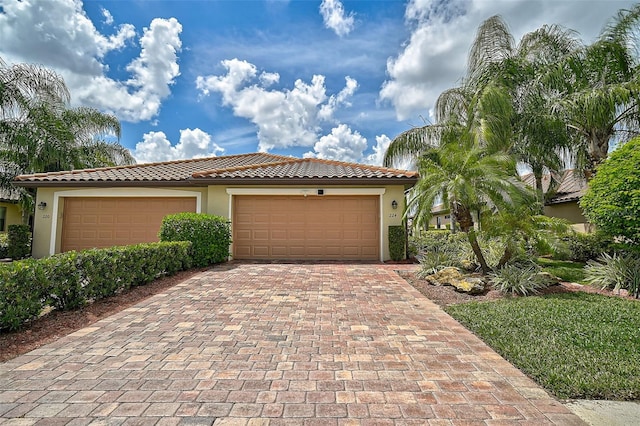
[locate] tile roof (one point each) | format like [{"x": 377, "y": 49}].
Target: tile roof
[
  {"x": 257, "y": 168},
  {"x": 9, "y": 196},
  {"x": 572, "y": 186}
]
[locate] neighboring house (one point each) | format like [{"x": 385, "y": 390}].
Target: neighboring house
[
  {"x": 563, "y": 203},
  {"x": 441, "y": 218},
  {"x": 279, "y": 207},
  {"x": 10, "y": 213}
]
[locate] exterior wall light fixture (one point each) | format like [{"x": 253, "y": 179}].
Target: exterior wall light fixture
[
  {"x": 42, "y": 205},
  {"x": 394, "y": 204}
]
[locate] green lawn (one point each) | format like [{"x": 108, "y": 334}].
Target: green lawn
[
  {"x": 575, "y": 345},
  {"x": 565, "y": 270}
]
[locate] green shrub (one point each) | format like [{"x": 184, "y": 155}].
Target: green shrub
[
  {"x": 612, "y": 199},
  {"x": 69, "y": 280},
  {"x": 518, "y": 279},
  {"x": 65, "y": 290},
  {"x": 396, "y": 242},
  {"x": 584, "y": 247},
  {"x": 109, "y": 270},
  {"x": 22, "y": 292},
  {"x": 209, "y": 235},
  {"x": 620, "y": 271},
  {"x": 433, "y": 261},
  {"x": 4, "y": 246},
  {"x": 19, "y": 245}
]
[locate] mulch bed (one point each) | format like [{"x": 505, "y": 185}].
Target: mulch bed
[
  {"x": 57, "y": 324},
  {"x": 447, "y": 295}
]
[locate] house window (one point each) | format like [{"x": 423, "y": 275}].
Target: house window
[
  {"x": 447, "y": 216},
  {"x": 3, "y": 218}
]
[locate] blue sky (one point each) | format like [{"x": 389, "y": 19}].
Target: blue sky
[{"x": 331, "y": 79}]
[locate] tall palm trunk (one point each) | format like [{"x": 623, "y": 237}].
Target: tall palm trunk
[{"x": 465, "y": 221}]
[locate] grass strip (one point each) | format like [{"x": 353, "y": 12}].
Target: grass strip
[
  {"x": 575, "y": 345},
  {"x": 565, "y": 270}
]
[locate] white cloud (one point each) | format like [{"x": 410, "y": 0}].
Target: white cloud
[
  {"x": 59, "y": 35},
  {"x": 376, "y": 158},
  {"x": 342, "y": 144},
  {"x": 155, "y": 146},
  {"x": 286, "y": 117},
  {"x": 334, "y": 17},
  {"x": 108, "y": 17},
  {"x": 341, "y": 99}
]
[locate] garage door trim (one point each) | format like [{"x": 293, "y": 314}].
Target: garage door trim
[
  {"x": 312, "y": 191},
  {"x": 114, "y": 192}
]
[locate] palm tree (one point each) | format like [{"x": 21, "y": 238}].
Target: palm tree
[
  {"x": 468, "y": 178},
  {"x": 40, "y": 133},
  {"x": 510, "y": 102},
  {"x": 598, "y": 90}
]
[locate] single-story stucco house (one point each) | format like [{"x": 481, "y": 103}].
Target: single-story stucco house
[
  {"x": 279, "y": 207},
  {"x": 562, "y": 204}
]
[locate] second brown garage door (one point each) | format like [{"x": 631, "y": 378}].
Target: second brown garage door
[
  {"x": 313, "y": 228},
  {"x": 112, "y": 221}
]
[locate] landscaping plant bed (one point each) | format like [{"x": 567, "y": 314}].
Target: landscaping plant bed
[{"x": 57, "y": 324}]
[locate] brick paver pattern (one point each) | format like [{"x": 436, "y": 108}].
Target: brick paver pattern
[{"x": 258, "y": 344}]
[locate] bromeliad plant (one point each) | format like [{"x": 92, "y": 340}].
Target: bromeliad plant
[{"x": 616, "y": 272}]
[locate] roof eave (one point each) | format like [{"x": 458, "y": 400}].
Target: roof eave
[
  {"x": 105, "y": 183},
  {"x": 201, "y": 182},
  {"x": 410, "y": 181}
]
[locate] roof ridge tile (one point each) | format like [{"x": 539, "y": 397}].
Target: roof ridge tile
[
  {"x": 206, "y": 173},
  {"x": 144, "y": 165}
]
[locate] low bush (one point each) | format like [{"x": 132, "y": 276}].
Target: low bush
[
  {"x": 23, "y": 287},
  {"x": 518, "y": 279},
  {"x": 616, "y": 272},
  {"x": 65, "y": 290},
  {"x": 584, "y": 247},
  {"x": 209, "y": 235},
  {"x": 433, "y": 261},
  {"x": 396, "y": 242},
  {"x": 453, "y": 249},
  {"x": 69, "y": 280},
  {"x": 19, "y": 244}
]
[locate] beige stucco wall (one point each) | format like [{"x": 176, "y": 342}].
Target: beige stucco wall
[
  {"x": 214, "y": 199},
  {"x": 569, "y": 211},
  {"x": 14, "y": 215}
]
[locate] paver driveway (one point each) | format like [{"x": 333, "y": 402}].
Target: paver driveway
[{"x": 275, "y": 344}]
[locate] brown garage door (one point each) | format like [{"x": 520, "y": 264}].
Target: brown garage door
[
  {"x": 103, "y": 222},
  {"x": 315, "y": 227}
]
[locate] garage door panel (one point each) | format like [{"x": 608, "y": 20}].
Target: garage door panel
[
  {"x": 327, "y": 227},
  {"x": 107, "y": 221}
]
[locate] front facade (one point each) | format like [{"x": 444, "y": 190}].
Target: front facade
[{"x": 279, "y": 207}]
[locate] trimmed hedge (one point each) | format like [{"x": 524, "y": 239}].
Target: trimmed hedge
[
  {"x": 69, "y": 280},
  {"x": 210, "y": 235},
  {"x": 396, "y": 242},
  {"x": 19, "y": 241}
]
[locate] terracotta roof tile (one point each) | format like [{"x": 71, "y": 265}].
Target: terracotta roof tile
[
  {"x": 210, "y": 170},
  {"x": 572, "y": 186}
]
